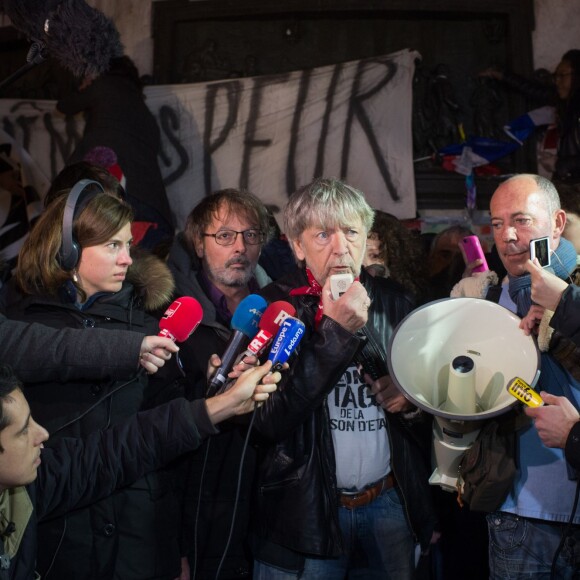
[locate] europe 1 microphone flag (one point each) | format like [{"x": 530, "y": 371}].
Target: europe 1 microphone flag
[
  {"x": 288, "y": 337},
  {"x": 269, "y": 325},
  {"x": 244, "y": 324},
  {"x": 181, "y": 318}
]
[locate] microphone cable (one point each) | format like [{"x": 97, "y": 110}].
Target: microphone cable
[
  {"x": 96, "y": 404},
  {"x": 197, "y": 509},
  {"x": 236, "y": 500},
  {"x": 138, "y": 374},
  {"x": 67, "y": 424},
  {"x": 60, "y": 541}
]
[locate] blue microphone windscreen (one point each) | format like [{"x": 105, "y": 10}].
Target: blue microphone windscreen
[
  {"x": 285, "y": 343},
  {"x": 247, "y": 316}
]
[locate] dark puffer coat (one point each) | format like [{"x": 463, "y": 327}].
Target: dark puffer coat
[{"x": 75, "y": 473}]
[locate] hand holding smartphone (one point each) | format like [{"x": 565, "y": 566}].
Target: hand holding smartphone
[
  {"x": 472, "y": 251},
  {"x": 540, "y": 248}
]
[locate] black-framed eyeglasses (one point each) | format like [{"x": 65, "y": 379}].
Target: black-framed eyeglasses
[{"x": 252, "y": 237}]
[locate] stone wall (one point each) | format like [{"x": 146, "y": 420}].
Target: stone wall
[{"x": 557, "y": 29}]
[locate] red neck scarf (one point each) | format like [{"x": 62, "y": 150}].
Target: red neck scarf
[{"x": 313, "y": 289}]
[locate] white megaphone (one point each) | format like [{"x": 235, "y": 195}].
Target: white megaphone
[{"x": 453, "y": 358}]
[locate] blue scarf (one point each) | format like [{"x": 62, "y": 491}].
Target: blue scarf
[{"x": 563, "y": 263}]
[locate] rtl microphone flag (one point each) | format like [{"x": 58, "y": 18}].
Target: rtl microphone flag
[
  {"x": 181, "y": 319},
  {"x": 269, "y": 325},
  {"x": 245, "y": 323},
  {"x": 288, "y": 337}
]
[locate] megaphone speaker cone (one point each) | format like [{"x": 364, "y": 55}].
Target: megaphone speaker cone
[
  {"x": 442, "y": 348},
  {"x": 453, "y": 359}
]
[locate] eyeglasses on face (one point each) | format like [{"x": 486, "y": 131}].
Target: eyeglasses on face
[{"x": 252, "y": 237}]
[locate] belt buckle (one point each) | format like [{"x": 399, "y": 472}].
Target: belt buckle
[{"x": 349, "y": 501}]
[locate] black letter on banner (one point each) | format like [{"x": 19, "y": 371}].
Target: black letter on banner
[
  {"x": 290, "y": 167},
  {"x": 169, "y": 122},
  {"x": 233, "y": 94},
  {"x": 356, "y": 107},
  {"x": 57, "y": 143},
  {"x": 249, "y": 141},
  {"x": 319, "y": 168}
]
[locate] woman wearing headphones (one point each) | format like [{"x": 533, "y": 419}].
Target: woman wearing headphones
[{"x": 76, "y": 270}]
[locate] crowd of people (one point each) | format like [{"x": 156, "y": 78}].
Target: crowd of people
[{"x": 319, "y": 469}]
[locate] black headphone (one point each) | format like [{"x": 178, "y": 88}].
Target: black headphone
[{"x": 82, "y": 192}]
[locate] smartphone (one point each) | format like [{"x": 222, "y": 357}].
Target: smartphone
[
  {"x": 540, "y": 248},
  {"x": 339, "y": 284},
  {"x": 472, "y": 251}
]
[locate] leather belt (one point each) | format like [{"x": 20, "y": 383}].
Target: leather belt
[{"x": 366, "y": 496}]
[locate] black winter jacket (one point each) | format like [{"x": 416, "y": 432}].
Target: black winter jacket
[
  {"x": 60, "y": 355},
  {"x": 206, "y": 523},
  {"x": 74, "y": 473},
  {"x": 297, "y": 497},
  {"x": 133, "y": 534}
]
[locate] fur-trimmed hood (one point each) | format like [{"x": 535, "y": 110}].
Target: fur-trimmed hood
[{"x": 151, "y": 279}]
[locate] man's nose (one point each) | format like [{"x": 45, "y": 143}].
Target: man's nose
[
  {"x": 240, "y": 243},
  {"x": 509, "y": 234},
  {"x": 339, "y": 243},
  {"x": 41, "y": 434}
]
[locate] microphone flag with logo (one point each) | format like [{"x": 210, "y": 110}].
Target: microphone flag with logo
[{"x": 245, "y": 323}]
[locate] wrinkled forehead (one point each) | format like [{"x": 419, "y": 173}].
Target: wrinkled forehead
[
  {"x": 330, "y": 217},
  {"x": 228, "y": 211},
  {"x": 521, "y": 196}
]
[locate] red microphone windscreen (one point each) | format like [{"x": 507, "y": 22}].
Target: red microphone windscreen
[
  {"x": 181, "y": 318},
  {"x": 274, "y": 315}
]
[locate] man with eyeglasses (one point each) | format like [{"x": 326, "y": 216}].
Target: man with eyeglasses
[{"x": 215, "y": 260}]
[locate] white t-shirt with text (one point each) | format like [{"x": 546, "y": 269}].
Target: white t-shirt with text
[{"x": 359, "y": 433}]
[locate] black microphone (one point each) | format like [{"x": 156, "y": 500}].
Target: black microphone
[{"x": 244, "y": 323}]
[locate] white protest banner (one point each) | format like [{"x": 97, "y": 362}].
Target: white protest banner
[{"x": 267, "y": 134}]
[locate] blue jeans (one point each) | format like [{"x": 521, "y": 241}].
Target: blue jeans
[
  {"x": 524, "y": 548},
  {"x": 377, "y": 544}
]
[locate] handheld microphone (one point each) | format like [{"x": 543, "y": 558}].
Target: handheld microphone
[
  {"x": 179, "y": 321},
  {"x": 244, "y": 324},
  {"x": 269, "y": 325},
  {"x": 181, "y": 318},
  {"x": 288, "y": 337}
]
